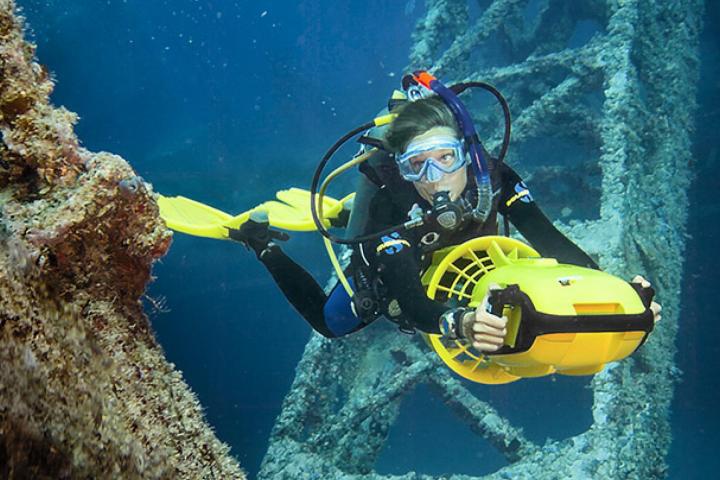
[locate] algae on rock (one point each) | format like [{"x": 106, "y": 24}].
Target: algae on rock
[{"x": 85, "y": 390}]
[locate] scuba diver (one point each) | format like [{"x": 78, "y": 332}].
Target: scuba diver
[{"x": 418, "y": 190}]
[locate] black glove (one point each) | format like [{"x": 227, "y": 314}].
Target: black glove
[{"x": 256, "y": 233}]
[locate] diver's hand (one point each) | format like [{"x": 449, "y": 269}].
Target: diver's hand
[
  {"x": 256, "y": 233},
  {"x": 654, "y": 306},
  {"x": 485, "y": 330}
]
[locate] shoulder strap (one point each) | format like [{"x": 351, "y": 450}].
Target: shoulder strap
[
  {"x": 381, "y": 170},
  {"x": 370, "y": 174}
]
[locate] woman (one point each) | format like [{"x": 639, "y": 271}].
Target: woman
[{"x": 424, "y": 162}]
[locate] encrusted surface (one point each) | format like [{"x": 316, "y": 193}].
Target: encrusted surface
[
  {"x": 625, "y": 98},
  {"x": 85, "y": 391}
]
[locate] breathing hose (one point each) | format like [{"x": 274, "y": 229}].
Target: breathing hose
[{"x": 316, "y": 198}]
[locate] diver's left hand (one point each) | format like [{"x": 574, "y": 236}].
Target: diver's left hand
[{"x": 654, "y": 306}]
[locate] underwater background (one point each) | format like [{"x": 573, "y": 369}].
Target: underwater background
[{"x": 227, "y": 102}]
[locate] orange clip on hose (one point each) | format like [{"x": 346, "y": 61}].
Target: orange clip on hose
[{"x": 424, "y": 78}]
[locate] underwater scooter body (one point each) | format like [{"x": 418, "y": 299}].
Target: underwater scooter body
[{"x": 561, "y": 318}]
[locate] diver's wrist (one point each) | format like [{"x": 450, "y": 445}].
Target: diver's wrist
[{"x": 452, "y": 323}]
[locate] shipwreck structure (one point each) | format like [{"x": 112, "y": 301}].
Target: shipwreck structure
[
  {"x": 615, "y": 81},
  {"x": 85, "y": 390}
]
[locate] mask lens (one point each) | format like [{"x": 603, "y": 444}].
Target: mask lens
[
  {"x": 417, "y": 163},
  {"x": 441, "y": 155},
  {"x": 445, "y": 157}
]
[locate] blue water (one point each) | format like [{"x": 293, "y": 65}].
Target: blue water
[{"x": 228, "y": 102}]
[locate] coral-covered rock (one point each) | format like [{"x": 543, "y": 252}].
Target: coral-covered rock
[{"x": 85, "y": 390}]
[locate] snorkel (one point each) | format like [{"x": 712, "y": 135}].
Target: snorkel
[{"x": 470, "y": 137}]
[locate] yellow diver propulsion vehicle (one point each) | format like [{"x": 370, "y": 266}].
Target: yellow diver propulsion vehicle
[{"x": 561, "y": 318}]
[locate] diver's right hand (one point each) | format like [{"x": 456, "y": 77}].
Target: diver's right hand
[
  {"x": 485, "y": 330},
  {"x": 256, "y": 234}
]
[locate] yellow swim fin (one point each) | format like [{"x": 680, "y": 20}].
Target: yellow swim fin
[
  {"x": 294, "y": 214},
  {"x": 290, "y": 212},
  {"x": 194, "y": 218}
]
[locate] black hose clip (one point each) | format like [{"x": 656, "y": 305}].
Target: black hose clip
[
  {"x": 365, "y": 305},
  {"x": 365, "y": 299}
]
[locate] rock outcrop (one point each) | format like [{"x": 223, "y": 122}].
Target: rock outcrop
[{"x": 85, "y": 390}]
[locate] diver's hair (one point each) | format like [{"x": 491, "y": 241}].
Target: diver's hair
[{"x": 416, "y": 118}]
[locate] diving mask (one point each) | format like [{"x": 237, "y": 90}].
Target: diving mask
[{"x": 430, "y": 159}]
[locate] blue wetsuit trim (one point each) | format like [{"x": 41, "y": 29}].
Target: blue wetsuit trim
[{"x": 337, "y": 311}]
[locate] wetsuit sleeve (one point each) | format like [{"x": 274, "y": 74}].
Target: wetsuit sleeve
[
  {"x": 518, "y": 206},
  {"x": 394, "y": 258},
  {"x": 298, "y": 286},
  {"x": 330, "y": 315}
]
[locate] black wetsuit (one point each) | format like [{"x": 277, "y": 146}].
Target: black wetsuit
[{"x": 395, "y": 261}]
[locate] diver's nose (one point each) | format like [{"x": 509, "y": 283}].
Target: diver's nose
[{"x": 433, "y": 174}]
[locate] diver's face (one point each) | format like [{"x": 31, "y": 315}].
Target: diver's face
[{"x": 454, "y": 182}]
